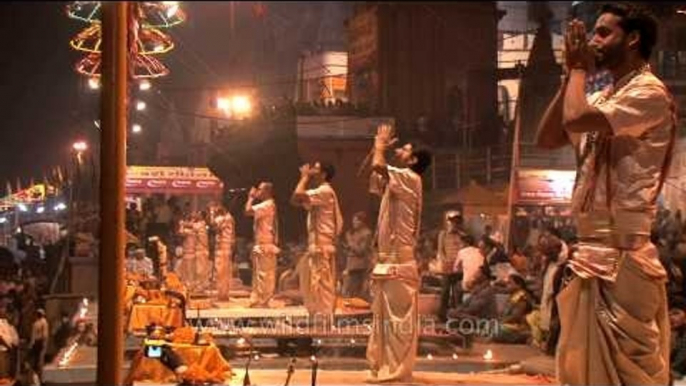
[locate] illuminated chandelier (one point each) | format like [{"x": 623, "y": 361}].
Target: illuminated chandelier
[{"x": 145, "y": 24}]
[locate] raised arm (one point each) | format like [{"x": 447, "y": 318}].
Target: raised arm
[
  {"x": 550, "y": 133},
  {"x": 299, "y": 196},
  {"x": 384, "y": 139},
  {"x": 578, "y": 116},
  {"x": 248, "y": 210}
]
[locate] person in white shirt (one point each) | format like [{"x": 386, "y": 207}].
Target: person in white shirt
[
  {"x": 449, "y": 245},
  {"x": 324, "y": 225},
  {"x": 265, "y": 250},
  {"x": 392, "y": 346},
  {"x": 38, "y": 344},
  {"x": 469, "y": 260},
  {"x": 450, "y": 239}
]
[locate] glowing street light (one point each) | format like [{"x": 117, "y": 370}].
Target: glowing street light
[
  {"x": 238, "y": 106},
  {"x": 40, "y": 210},
  {"x": 93, "y": 83},
  {"x": 60, "y": 206},
  {"x": 3, "y": 220},
  {"x": 144, "y": 85},
  {"x": 136, "y": 128},
  {"x": 140, "y": 105},
  {"x": 241, "y": 105},
  {"x": 23, "y": 208},
  {"x": 80, "y": 146},
  {"x": 224, "y": 104}
]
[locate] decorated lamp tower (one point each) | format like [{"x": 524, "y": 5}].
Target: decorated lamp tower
[
  {"x": 147, "y": 41},
  {"x": 122, "y": 42}
]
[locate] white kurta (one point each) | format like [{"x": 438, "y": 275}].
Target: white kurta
[
  {"x": 318, "y": 278},
  {"x": 613, "y": 314},
  {"x": 185, "y": 268},
  {"x": 222, "y": 261},
  {"x": 203, "y": 265},
  {"x": 392, "y": 346},
  {"x": 264, "y": 253}
]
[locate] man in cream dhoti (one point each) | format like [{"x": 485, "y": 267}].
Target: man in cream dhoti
[
  {"x": 324, "y": 224},
  {"x": 265, "y": 250},
  {"x": 392, "y": 346},
  {"x": 185, "y": 268},
  {"x": 613, "y": 307},
  {"x": 226, "y": 239},
  {"x": 203, "y": 265}
]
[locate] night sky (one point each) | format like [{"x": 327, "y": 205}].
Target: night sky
[
  {"x": 46, "y": 105},
  {"x": 41, "y": 106}
]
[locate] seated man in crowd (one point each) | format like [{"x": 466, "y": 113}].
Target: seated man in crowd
[
  {"x": 480, "y": 305},
  {"x": 139, "y": 263},
  {"x": 464, "y": 270},
  {"x": 493, "y": 251},
  {"x": 513, "y": 325},
  {"x": 519, "y": 261}
]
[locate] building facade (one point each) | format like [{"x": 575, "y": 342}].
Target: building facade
[{"x": 430, "y": 65}]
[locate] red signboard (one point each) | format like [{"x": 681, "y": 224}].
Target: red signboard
[
  {"x": 171, "y": 180},
  {"x": 544, "y": 187}
]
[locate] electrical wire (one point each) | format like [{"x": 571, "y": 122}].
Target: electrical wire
[{"x": 225, "y": 119}]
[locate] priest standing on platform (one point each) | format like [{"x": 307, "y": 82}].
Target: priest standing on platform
[
  {"x": 324, "y": 224},
  {"x": 392, "y": 346},
  {"x": 265, "y": 251},
  {"x": 226, "y": 239},
  {"x": 613, "y": 305}
]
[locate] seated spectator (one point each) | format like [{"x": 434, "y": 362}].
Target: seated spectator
[
  {"x": 493, "y": 251},
  {"x": 140, "y": 264},
  {"x": 480, "y": 305},
  {"x": 514, "y": 327},
  {"x": 61, "y": 334},
  {"x": 519, "y": 262},
  {"x": 550, "y": 248},
  {"x": 466, "y": 266},
  {"x": 85, "y": 333}
]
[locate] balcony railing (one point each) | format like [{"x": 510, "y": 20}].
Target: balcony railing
[{"x": 453, "y": 169}]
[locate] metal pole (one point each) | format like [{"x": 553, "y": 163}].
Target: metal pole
[
  {"x": 514, "y": 163},
  {"x": 112, "y": 172}
]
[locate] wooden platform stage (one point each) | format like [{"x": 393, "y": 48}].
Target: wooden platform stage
[
  {"x": 238, "y": 308},
  {"x": 235, "y": 319},
  {"x": 281, "y": 320}
]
